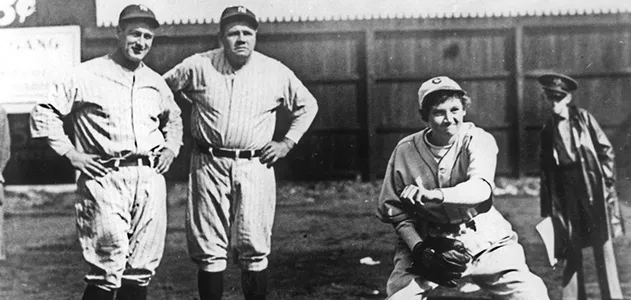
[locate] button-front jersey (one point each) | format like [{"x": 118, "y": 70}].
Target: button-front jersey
[
  {"x": 237, "y": 109},
  {"x": 473, "y": 156},
  {"x": 115, "y": 111}
]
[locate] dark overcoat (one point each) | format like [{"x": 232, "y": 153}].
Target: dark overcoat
[{"x": 596, "y": 157}]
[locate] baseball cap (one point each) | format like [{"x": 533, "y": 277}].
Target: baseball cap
[
  {"x": 440, "y": 83},
  {"x": 138, "y": 11},
  {"x": 238, "y": 13},
  {"x": 558, "y": 83}
]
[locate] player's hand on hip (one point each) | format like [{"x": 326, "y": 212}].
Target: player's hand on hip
[
  {"x": 165, "y": 159},
  {"x": 273, "y": 151},
  {"x": 88, "y": 164}
]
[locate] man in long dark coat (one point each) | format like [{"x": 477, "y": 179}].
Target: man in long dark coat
[{"x": 577, "y": 189}]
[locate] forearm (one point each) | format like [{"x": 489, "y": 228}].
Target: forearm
[
  {"x": 302, "y": 119},
  {"x": 470, "y": 192},
  {"x": 407, "y": 232},
  {"x": 171, "y": 123},
  {"x": 289, "y": 143},
  {"x": 299, "y": 126},
  {"x": 60, "y": 144},
  {"x": 173, "y": 135}
]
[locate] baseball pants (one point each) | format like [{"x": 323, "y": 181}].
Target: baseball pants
[
  {"x": 501, "y": 270},
  {"x": 121, "y": 223},
  {"x": 231, "y": 205}
]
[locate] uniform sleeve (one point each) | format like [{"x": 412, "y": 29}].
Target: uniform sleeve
[
  {"x": 391, "y": 209},
  {"x": 46, "y": 117},
  {"x": 603, "y": 147},
  {"x": 179, "y": 77},
  {"x": 302, "y": 105},
  {"x": 5, "y": 142},
  {"x": 171, "y": 121},
  {"x": 482, "y": 151}
]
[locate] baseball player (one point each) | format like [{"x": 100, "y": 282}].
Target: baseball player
[
  {"x": 128, "y": 130},
  {"x": 235, "y": 93},
  {"x": 578, "y": 189},
  {"x": 437, "y": 193}
]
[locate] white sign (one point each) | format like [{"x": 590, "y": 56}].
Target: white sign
[{"x": 31, "y": 58}]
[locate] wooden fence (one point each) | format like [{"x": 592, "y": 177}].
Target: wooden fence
[{"x": 365, "y": 75}]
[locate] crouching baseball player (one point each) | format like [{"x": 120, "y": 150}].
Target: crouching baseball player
[{"x": 437, "y": 192}]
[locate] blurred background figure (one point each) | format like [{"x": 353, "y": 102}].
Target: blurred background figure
[
  {"x": 5, "y": 154},
  {"x": 577, "y": 189}
]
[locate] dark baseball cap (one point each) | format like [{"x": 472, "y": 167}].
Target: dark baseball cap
[
  {"x": 138, "y": 11},
  {"x": 238, "y": 13},
  {"x": 557, "y": 83}
]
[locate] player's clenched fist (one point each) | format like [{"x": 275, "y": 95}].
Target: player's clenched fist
[{"x": 417, "y": 194}]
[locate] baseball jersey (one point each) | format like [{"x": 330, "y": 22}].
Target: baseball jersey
[
  {"x": 115, "y": 111},
  {"x": 236, "y": 109},
  {"x": 472, "y": 156}
]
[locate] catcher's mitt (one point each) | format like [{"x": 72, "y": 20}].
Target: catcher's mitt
[{"x": 439, "y": 259}]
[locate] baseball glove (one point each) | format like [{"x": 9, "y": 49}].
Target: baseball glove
[{"x": 439, "y": 259}]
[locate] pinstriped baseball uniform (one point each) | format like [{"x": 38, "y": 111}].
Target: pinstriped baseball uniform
[
  {"x": 121, "y": 218},
  {"x": 231, "y": 202},
  {"x": 491, "y": 240}
]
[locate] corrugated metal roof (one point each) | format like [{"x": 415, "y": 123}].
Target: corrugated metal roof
[{"x": 203, "y": 11}]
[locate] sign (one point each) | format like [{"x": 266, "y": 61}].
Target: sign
[
  {"x": 31, "y": 58},
  {"x": 12, "y": 11}
]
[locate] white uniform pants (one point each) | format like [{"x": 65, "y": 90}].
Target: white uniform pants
[
  {"x": 121, "y": 223},
  {"x": 501, "y": 270},
  {"x": 231, "y": 205}
]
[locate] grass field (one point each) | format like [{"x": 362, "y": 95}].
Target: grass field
[{"x": 321, "y": 232}]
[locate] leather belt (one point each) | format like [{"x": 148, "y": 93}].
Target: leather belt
[
  {"x": 453, "y": 228},
  {"x": 246, "y": 154},
  {"x": 137, "y": 161}
]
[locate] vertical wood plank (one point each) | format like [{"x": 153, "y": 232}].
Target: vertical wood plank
[
  {"x": 369, "y": 132},
  {"x": 520, "y": 127}
]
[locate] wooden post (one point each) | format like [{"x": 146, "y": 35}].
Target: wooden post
[
  {"x": 368, "y": 169},
  {"x": 520, "y": 127}
]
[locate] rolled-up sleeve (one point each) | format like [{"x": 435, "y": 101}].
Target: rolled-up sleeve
[
  {"x": 46, "y": 119},
  {"x": 482, "y": 155},
  {"x": 302, "y": 105}
]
